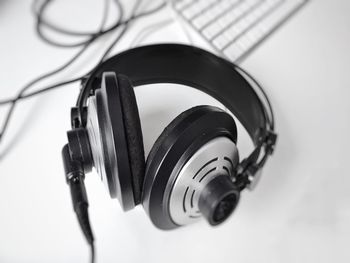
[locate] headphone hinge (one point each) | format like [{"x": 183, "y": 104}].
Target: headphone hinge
[
  {"x": 242, "y": 179},
  {"x": 79, "y": 147},
  {"x": 78, "y": 118},
  {"x": 270, "y": 142},
  {"x": 248, "y": 175},
  {"x": 249, "y": 169}
]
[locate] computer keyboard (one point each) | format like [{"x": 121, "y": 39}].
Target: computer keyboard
[{"x": 236, "y": 27}]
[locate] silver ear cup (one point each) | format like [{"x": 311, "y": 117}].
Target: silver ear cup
[
  {"x": 217, "y": 157},
  {"x": 95, "y": 138},
  {"x": 108, "y": 138},
  {"x": 99, "y": 137}
]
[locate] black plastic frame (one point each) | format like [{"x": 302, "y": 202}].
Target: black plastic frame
[{"x": 191, "y": 66}]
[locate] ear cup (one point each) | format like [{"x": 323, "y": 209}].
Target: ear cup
[
  {"x": 116, "y": 140},
  {"x": 179, "y": 140},
  {"x": 132, "y": 126}
]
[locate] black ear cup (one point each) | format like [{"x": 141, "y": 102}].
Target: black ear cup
[
  {"x": 133, "y": 133},
  {"x": 115, "y": 135},
  {"x": 187, "y": 133}
]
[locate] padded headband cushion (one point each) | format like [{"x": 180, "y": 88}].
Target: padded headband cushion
[
  {"x": 133, "y": 135},
  {"x": 191, "y": 66}
]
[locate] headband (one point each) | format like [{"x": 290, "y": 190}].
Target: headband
[{"x": 194, "y": 67}]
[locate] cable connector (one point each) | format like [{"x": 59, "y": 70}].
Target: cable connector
[{"x": 75, "y": 179}]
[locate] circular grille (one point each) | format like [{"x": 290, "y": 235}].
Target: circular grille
[{"x": 218, "y": 156}]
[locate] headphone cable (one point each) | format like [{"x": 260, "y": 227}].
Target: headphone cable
[
  {"x": 92, "y": 252},
  {"x": 21, "y": 96},
  {"x": 83, "y": 217},
  {"x": 46, "y": 75}
]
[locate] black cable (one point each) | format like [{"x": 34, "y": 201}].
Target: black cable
[
  {"x": 40, "y": 33},
  {"x": 74, "y": 172},
  {"x": 85, "y": 44},
  {"x": 89, "y": 36},
  {"x": 57, "y": 29},
  {"x": 93, "y": 35},
  {"x": 92, "y": 252},
  {"x": 65, "y": 31},
  {"x": 51, "y": 87},
  {"x": 46, "y": 75},
  {"x": 22, "y": 96},
  {"x": 84, "y": 93},
  {"x": 121, "y": 34},
  {"x": 29, "y": 85},
  {"x": 60, "y": 84}
]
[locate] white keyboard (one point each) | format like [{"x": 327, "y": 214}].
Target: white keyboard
[{"x": 236, "y": 27}]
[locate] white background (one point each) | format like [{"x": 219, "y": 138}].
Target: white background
[{"x": 300, "y": 211}]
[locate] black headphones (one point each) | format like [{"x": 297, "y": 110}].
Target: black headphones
[{"x": 193, "y": 169}]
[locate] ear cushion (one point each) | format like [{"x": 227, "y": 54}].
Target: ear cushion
[
  {"x": 170, "y": 128},
  {"x": 133, "y": 133}
]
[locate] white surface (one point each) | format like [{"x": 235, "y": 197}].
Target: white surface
[{"x": 300, "y": 212}]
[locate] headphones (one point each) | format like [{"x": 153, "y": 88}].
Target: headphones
[{"x": 193, "y": 170}]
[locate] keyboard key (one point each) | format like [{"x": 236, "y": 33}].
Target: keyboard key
[
  {"x": 182, "y": 3},
  {"x": 236, "y": 27},
  {"x": 196, "y": 9}
]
